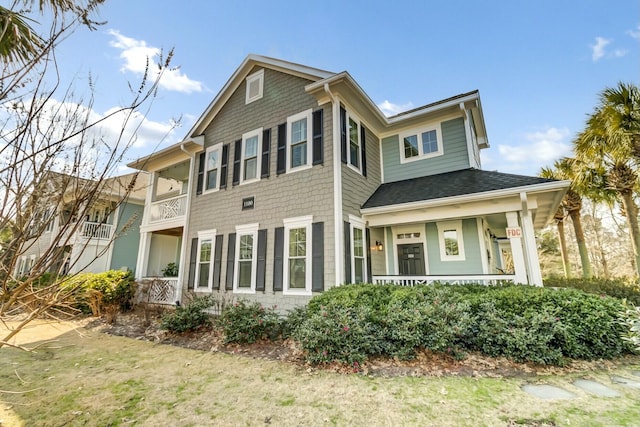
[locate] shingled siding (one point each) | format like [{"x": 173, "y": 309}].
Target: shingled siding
[
  {"x": 306, "y": 192},
  {"x": 356, "y": 189},
  {"x": 455, "y": 155},
  {"x": 473, "y": 258}
]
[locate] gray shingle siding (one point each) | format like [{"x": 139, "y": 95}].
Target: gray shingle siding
[
  {"x": 306, "y": 192},
  {"x": 356, "y": 189}
]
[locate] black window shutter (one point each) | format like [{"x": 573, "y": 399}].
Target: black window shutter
[
  {"x": 200, "y": 181},
  {"x": 318, "y": 149},
  {"x": 363, "y": 150},
  {"x": 261, "y": 267},
  {"x": 317, "y": 254},
  {"x": 217, "y": 261},
  {"x": 278, "y": 254},
  {"x": 281, "y": 166},
  {"x": 347, "y": 252},
  {"x": 192, "y": 263},
  {"x": 266, "y": 148},
  {"x": 343, "y": 135},
  {"x": 224, "y": 166},
  {"x": 237, "y": 152},
  {"x": 231, "y": 261},
  {"x": 368, "y": 234}
]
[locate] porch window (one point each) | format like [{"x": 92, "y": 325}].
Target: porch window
[
  {"x": 250, "y": 165},
  {"x": 420, "y": 143},
  {"x": 297, "y": 274},
  {"x": 204, "y": 267},
  {"x": 245, "y": 271},
  {"x": 298, "y": 140},
  {"x": 451, "y": 241}
]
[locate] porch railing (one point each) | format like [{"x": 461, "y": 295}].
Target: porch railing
[
  {"x": 95, "y": 230},
  {"x": 484, "y": 279},
  {"x": 168, "y": 209},
  {"x": 163, "y": 290}
]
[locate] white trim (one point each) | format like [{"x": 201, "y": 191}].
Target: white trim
[
  {"x": 349, "y": 116},
  {"x": 292, "y": 223},
  {"x": 254, "y": 133},
  {"x": 338, "y": 235},
  {"x": 417, "y": 132},
  {"x": 217, "y": 147},
  {"x": 483, "y": 245},
  {"x": 420, "y": 228},
  {"x": 456, "y": 226},
  {"x": 308, "y": 115},
  {"x": 357, "y": 222},
  {"x": 203, "y": 236},
  {"x": 258, "y": 77},
  {"x": 246, "y": 230}
]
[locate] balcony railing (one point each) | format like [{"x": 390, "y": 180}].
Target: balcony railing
[
  {"x": 168, "y": 209},
  {"x": 483, "y": 279},
  {"x": 95, "y": 230}
]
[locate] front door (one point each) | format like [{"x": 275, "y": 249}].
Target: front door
[{"x": 411, "y": 259}]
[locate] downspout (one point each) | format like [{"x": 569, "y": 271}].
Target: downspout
[
  {"x": 338, "y": 234},
  {"x": 185, "y": 228}
]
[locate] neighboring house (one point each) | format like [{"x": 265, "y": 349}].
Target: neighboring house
[
  {"x": 87, "y": 238},
  {"x": 293, "y": 181}
]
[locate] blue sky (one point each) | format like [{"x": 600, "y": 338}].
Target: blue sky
[{"x": 538, "y": 65}]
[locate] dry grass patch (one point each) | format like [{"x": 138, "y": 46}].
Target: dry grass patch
[{"x": 97, "y": 380}]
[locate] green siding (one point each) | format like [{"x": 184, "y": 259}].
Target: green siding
[
  {"x": 125, "y": 247},
  {"x": 473, "y": 258},
  {"x": 455, "y": 155},
  {"x": 391, "y": 252}
]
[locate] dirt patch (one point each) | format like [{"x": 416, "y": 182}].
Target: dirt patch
[{"x": 426, "y": 363}]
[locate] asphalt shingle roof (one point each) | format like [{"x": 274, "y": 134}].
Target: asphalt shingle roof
[{"x": 449, "y": 184}]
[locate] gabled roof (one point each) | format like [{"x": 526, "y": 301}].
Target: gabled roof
[{"x": 450, "y": 184}]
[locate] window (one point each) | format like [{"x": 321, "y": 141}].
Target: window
[
  {"x": 353, "y": 132},
  {"x": 358, "y": 270},
  {"x": 251, "y": 142},
  {"x": 420, "y": 144},
  {"x": 255, "y": 84},
  {"x": 451, "y": 241},
  {"x": 299, "y": 140},
  {"x": 204, "y": 267},
  {"x": 22, "y": 266},
  {"x": 212, "y": 167},
  {"x": 297, "y": 255},
  {"x": 245, "y": 271}
]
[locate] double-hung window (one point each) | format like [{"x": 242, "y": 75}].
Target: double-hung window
[
  {"x": 245, "y": 271},
  {"x": 251, "y": 143},
  {"x": 358, "y": 251},
  {"x": 297, "y": 255},
  {"x": 451, "y": 241},
  {"x": 299, "y": 140},
  {"x": 212, "y": 167},
  {"x": 204, "y": 266},
  {"x": 421, "y": 143},
  {"x": 353, "y": 134}
]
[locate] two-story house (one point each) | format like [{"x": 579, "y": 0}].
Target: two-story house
[
  {"x": 294, "y": 181},
  {"x": 84, "y": 225}
]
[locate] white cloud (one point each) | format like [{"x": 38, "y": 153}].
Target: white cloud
[
  {"x": 136, "y": 54},
  {"x": 635, "y": 34},
  {"x": 598, "y": 50},
  {"x": 540, "y": 149},
  {"x": 390, "y": 109}
]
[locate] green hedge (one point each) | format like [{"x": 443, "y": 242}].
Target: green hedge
[
  {"x": 622, "y": 288},
  {"x": 351, "y": 323},
  {"x": 113, "y": 288}
]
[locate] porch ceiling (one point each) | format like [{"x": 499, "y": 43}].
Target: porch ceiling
[{"x": 176, "y": 232}]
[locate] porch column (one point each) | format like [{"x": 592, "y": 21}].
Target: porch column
[
  {"x": 531, "y": 250},
  {"x": 143, "y": 255},
  {"x": 519, "y": 264}
]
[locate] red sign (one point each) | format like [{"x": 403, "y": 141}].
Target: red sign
[{"x": 514, "y": 232}]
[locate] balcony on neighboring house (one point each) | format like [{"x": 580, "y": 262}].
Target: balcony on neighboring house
[{"x": 96, "y": 230}]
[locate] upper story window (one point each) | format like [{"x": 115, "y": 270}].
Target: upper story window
[
  {"x": 353, "y": 131},
  {"x": 255, "y": 85},
  {"x": 251, "y": 142},
  {"x": 299, "y": 140},
  {"x": 451, "y": 241},
  {"x": 421, "y": 143},
  {"x": 212, "y": 167}
]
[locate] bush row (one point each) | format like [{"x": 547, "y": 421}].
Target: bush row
[
  {"x": 622, "y": 288},
  {"x": 94, "y": 292}
]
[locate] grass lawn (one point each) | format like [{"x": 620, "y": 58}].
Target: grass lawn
[{"x": 92, "y": 379}]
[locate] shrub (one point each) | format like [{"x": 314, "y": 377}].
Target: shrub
[
  {"x": 631, "y": 320},
  {"x": 245, "y": 322},
  {"x": 112, "y": 290},
  {"x": 190, "y": 317},
  {"x": 621, "y": 288}
]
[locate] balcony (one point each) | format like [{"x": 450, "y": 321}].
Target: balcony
[
  {"x": 168, "y": 209},
  {"x": 482, "y": 279},
  {"x": 96, "y": 230}
]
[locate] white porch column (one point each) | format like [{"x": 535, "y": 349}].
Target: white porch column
[
  {"x": 531, "y": 249},
  {"x": 517, "y": 253},
  {"x": 143, "y": 254}
]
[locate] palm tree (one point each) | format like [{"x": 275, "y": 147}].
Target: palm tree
[
  {"x": 559, "y": 217},
  {"x": 610, "y": 146}
]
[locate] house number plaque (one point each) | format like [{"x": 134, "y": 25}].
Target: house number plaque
[{"x": 248, "y": 203}]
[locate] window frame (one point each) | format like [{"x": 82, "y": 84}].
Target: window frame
[
  {"x": 205, "y": 179},
  {"x": 245, "y": 137},
  {"x": 258, "y": 76},
  {"x": 246, "y": 230},
  {"x": 308, "y": 115},
  {"x": 291, "y": 224},
  {"x": 451, "y": 226},
  {"x": 357, "y": 223},
  {"x": 348, "y": 118},
  {"x": 203, "y": 236},
  {"x": 417, "y": 132}
]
